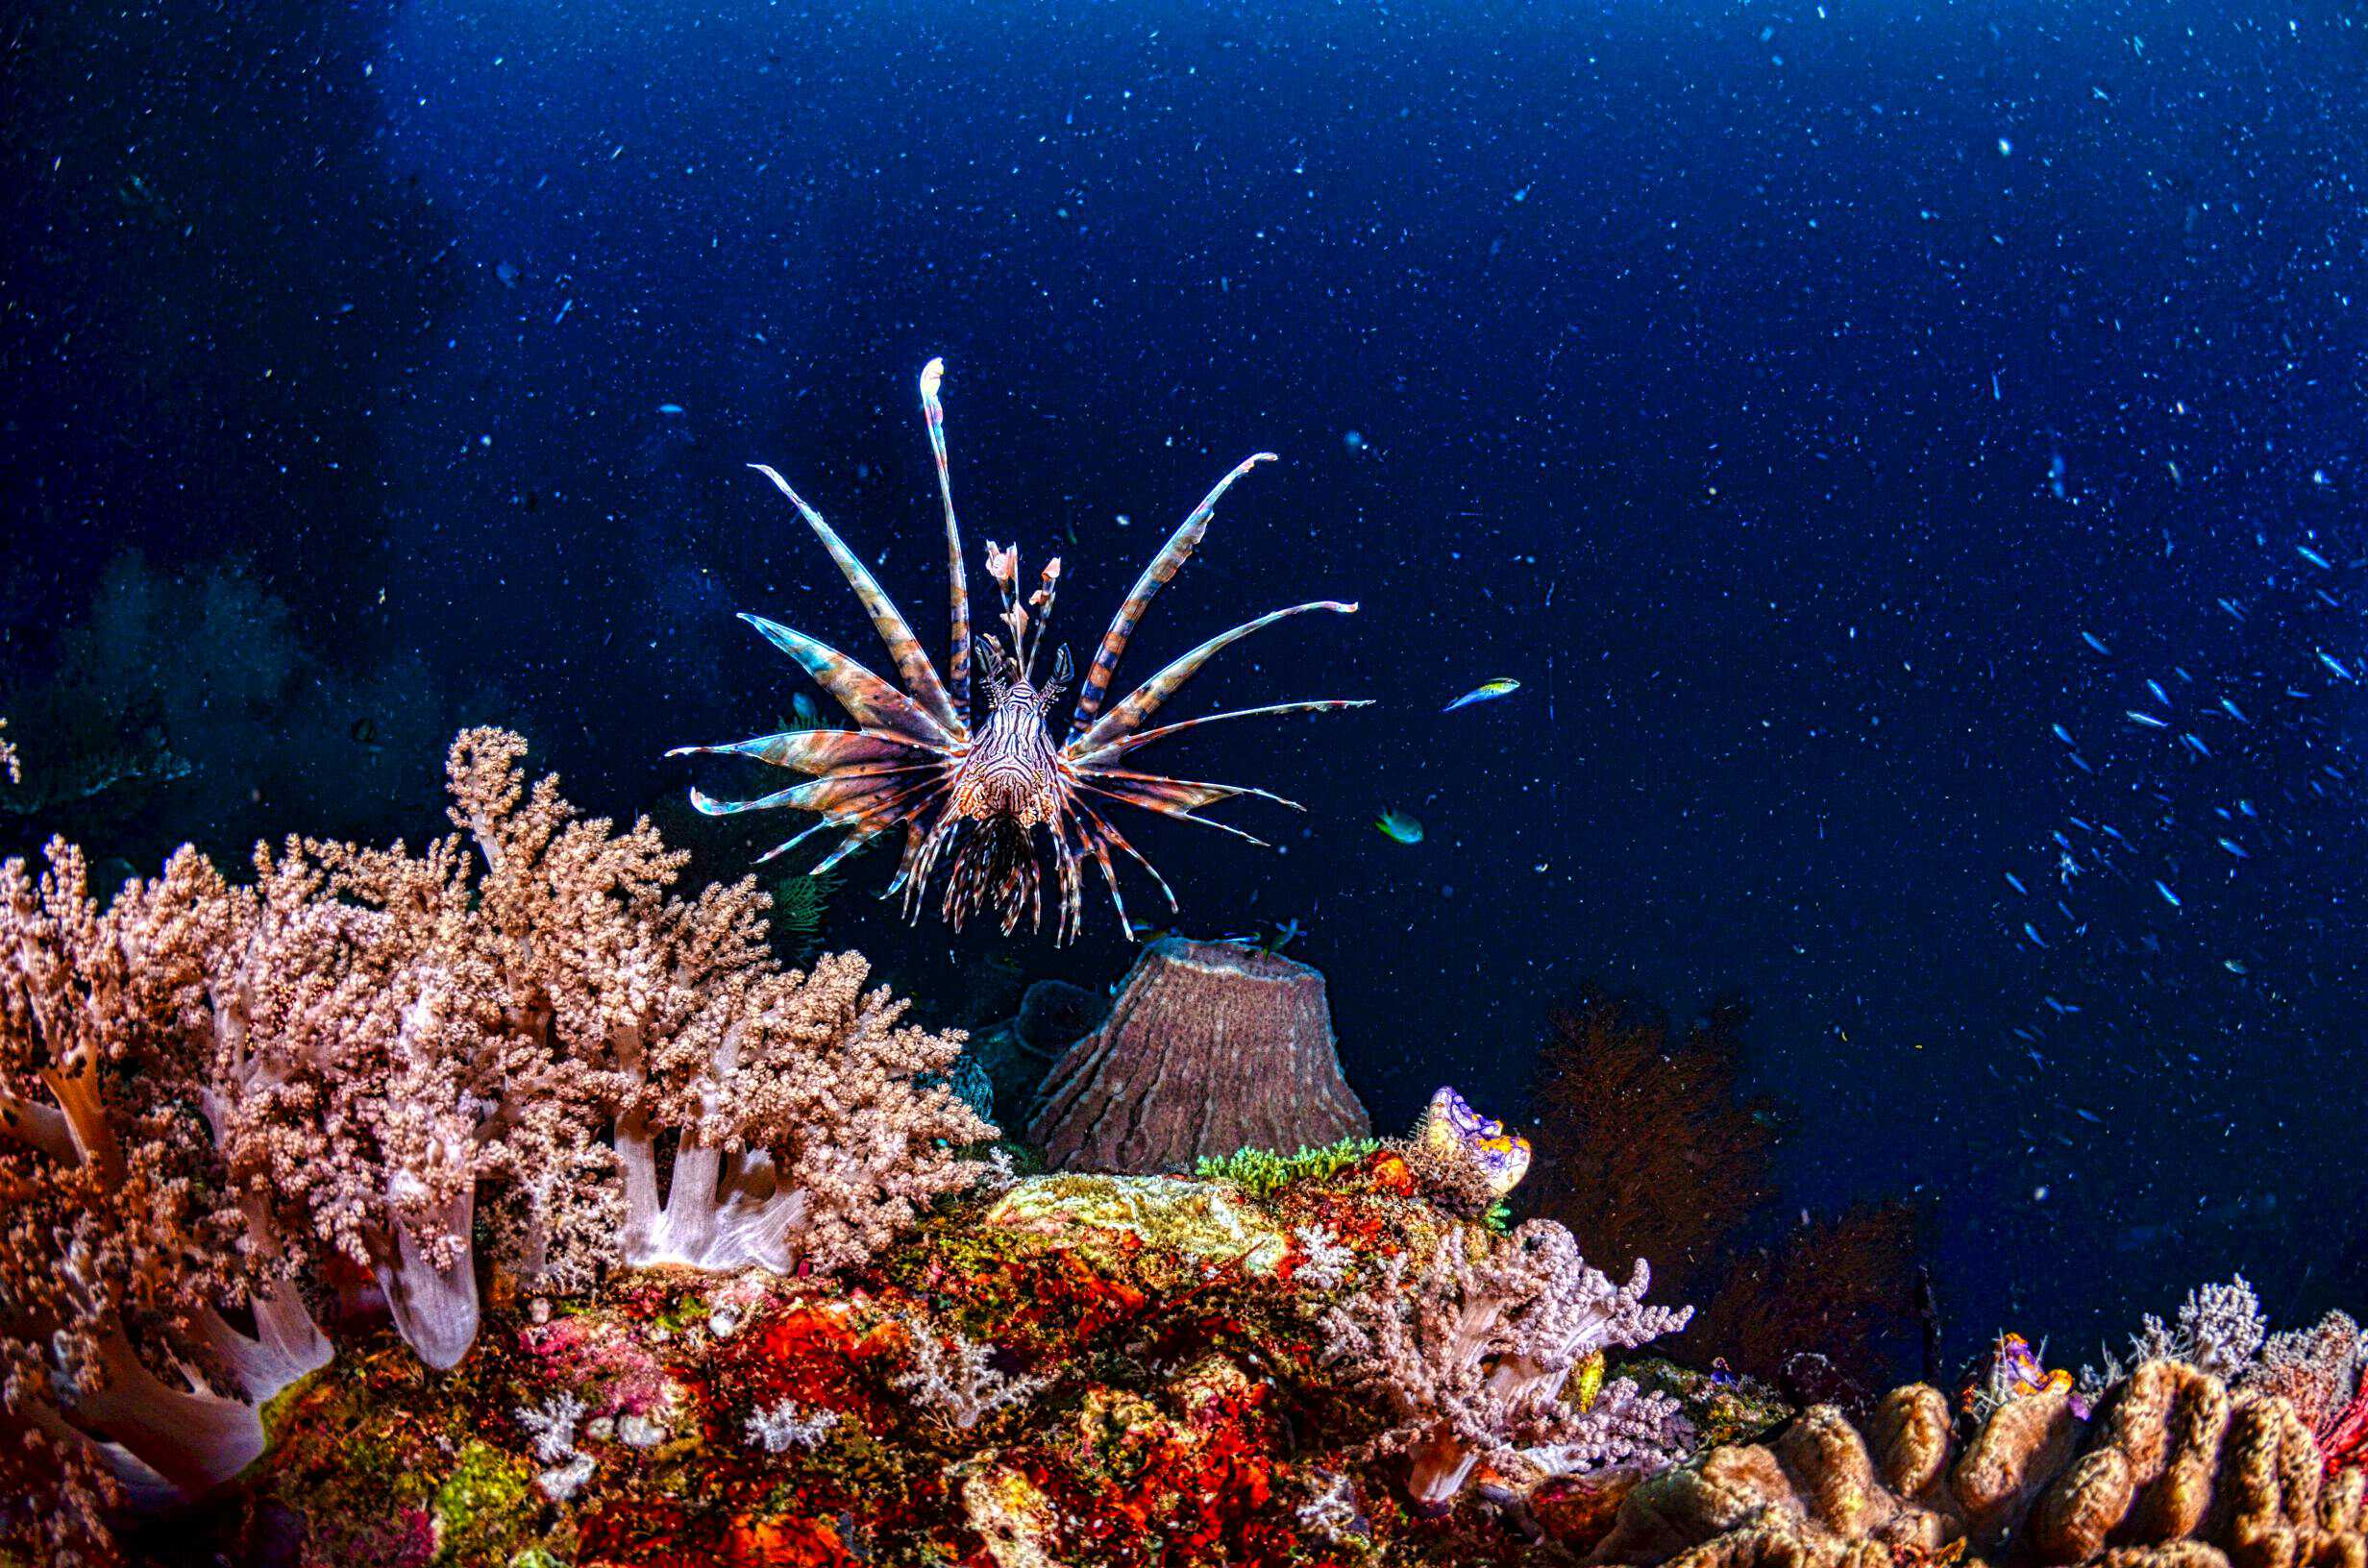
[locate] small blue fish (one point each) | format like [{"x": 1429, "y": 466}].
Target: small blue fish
[
  {"x": 2314, "y": 557},
  {"x": 1486, "y": 691},
  {"x": 2085, "y": 1115},
  {"x": 2334, "y": 663},
  {"x": 2016, "y": 883},
  {"x": 2234, "y": 711},
  {"x": 2160, "y": 695},
  {"x": 2147, "y": 719},
  {"x": 1399, "y": 827},
  {"x": 2196, "y": 746},
  {"x": 2233, "y": 965},
  {"x": 2091, "y": 639},
  {"x": 2064, "y": 735},
  {"x": 2168, "y": 897},
  {"x": 2231, "y": 605},
  {"x": 2033, "y": 932},
  {"x": 2235, "y": 848},
  {"x": 670, "y": 407},
  {"x": 2246, "y": 806}
]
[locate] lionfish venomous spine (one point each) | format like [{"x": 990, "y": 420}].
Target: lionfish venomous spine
[{"x": 970, "y": 800}]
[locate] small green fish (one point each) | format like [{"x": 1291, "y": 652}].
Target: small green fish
[
  {"x": 1486, "y": 692},
  {"x": 1399, "y": 827}
]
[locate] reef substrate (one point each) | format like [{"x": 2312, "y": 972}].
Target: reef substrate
[{"x": 1076, "y": 1370}]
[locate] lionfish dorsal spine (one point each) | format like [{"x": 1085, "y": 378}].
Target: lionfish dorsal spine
[
  {"x": 957, "y": 580},
  {"x": 1166, "y": 564}
]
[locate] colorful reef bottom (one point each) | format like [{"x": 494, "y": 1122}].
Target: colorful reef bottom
[{"x": 1082, "y": 1371}]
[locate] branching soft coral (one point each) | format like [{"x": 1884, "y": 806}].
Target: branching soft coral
[
  {"x": 215, "y": 1098},
  {"x": 1469, "y": 1357},
  {"x": 116, "y": 1251},
  {"x": 422, "y": 1027}
]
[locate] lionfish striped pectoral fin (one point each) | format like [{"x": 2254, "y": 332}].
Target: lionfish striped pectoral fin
[
  {"x": 868, "y": 699},
  {"x": 834, "y": 793},
  {"x": 1165, "y": 565},
  {"x": 1178, "y": 797},
  {"x": 912, "y": 663},
  {"x": 817, "y": 750},
  {"x": 1120, "y": 747},
  {"x": 1147, "y": 699}
]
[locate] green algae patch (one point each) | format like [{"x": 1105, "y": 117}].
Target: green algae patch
[
  {"x": 484, "y": 1505},
  {"x": 1263, "y": 1173}
]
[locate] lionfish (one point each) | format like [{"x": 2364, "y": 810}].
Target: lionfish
[{"x": 972, "y": 796}]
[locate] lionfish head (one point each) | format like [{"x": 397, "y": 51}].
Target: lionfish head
[{"x": 1011, "y": 775}]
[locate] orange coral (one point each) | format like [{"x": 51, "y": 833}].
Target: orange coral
[{"x": 1648, "y": 1146}]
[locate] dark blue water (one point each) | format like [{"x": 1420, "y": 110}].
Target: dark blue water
[{"x": 1779, "y": 393}]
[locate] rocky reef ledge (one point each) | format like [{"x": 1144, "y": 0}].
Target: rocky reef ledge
[{"x": 1086, "y": 1370}]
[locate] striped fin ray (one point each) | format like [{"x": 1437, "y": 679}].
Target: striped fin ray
[
  {"x": 1119, "y": 748},
  {"x": 958, "y": 661},
  {"x": 795, "y": 839},
  {"x": 868, "y": 699},
  {"x": 885, "y": 806},
  {"x": 815, "y": 750},
  {"x": 912, "y": 661},
  {"x": 1179, "y": 813},
  {"x": 1109, "y": 831},
  {"x": 833, "y": 795},
  {"x": 1173, "y": 795},
  {"x": 1073, "y": 891},
  {"x": 1145, "y": 700},
  {"x": 1093, "y": 833},
  {"x": 915, "y": 842},
  {"x": 1166, "y": 564},
  {"x": 848, "y": 845}
]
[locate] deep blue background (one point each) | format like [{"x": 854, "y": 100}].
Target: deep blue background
[{"x": 1777, "y": 391}]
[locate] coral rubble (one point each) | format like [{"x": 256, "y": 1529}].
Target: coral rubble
[{"x": 1212, "y": 1047}]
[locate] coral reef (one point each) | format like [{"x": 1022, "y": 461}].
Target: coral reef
[
  {"x": 1212, "y": 1047},
  {"x": 2174, "y": 1470},
  {"x": 225, "y": 1108},
  {"x": 1078, "y": 1370},
  {"x": 496, "y": 1202},
  {"x": 1469, "y": 1357}
]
